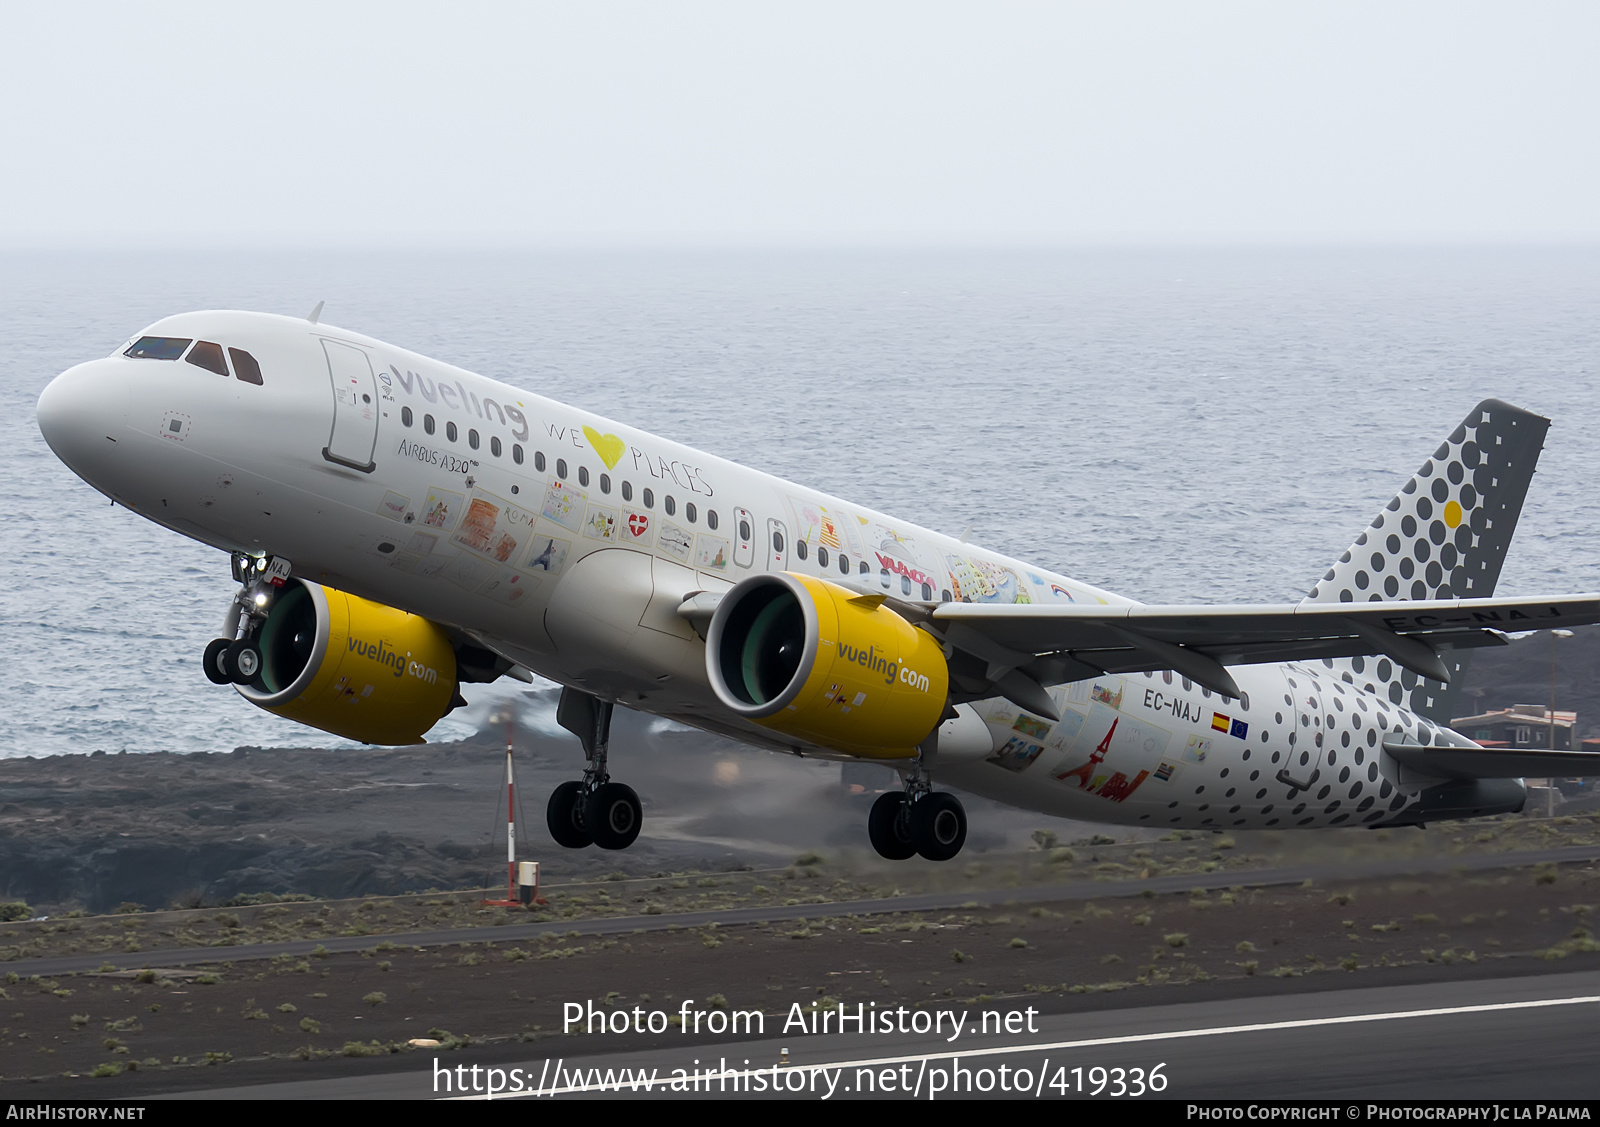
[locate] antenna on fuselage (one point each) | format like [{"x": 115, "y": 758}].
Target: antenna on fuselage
[
  {"x": 315, "y": 313},
  {"x": 966, "y": 534}
]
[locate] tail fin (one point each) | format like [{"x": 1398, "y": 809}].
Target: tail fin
[{"x": 1444, "y": 536}]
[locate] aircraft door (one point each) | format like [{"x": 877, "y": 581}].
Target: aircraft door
[
  {"x": 1305, "y": 759},
  {"x": 355, "y": 407},
  {"x": 777, "y": 546}
]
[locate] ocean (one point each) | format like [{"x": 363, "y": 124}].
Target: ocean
[{"x": 1180, "y": 424}]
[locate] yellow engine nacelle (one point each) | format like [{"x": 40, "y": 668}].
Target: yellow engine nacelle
[
  {"x": 355, "y": 668},
  {"x": 810, "y": 659}
]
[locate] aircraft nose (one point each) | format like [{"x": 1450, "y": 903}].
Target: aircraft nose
[{"x": 82, "y": 414}]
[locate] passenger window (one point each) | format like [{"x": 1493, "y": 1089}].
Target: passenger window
[
  {"x": 711, "y": 522},
  {"x": 627, "y": 491},
  {"x": 744, "y": 530},
  {"x": 561, "y": 468},
  {"x": 864, "y": 569},
  {"x": 905, "y": 585},
  {"x": 516, "y": 453},
  {"x": 583, "y": 476},
  {"x": 450, "y": 431},
  {"x": 406, "y": 416},
  {"x": 472, "y": 438},
  {"x": 690, "y": 512},
  {"x": 158, "y": 348},
  {"x": 494, "y": 446},
  {"x": 427, "y": 424},
  {"x": 777, "y": 542},
  {"x": 883, "y": 577},
  {"x": 671, "y": 505},
  {"x": 927, "y": 593},
  {"x": 538, "y": 460},
  {"x": 605, "y": 483},
  {"x": 944, "y": 596},
  {"x": 822, "y": 557},
  {"x": 844, "y": 564},
  {"x": 649, "y": 499},
  {"x": 245, "y": 366},
  {"x": 208, "y": 356},
  {"x": 800, "y": 548}
]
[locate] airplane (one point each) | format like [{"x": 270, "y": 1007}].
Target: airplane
[{"x": 400, "y": 527}]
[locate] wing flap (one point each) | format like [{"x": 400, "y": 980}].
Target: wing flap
[{"x": 1108, "y": 637}]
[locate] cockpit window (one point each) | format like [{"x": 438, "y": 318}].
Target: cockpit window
[
  {"x": 158, "y": 348},
  {"x": 208, "y": 356},
  {"x": 245, "y": 366}
]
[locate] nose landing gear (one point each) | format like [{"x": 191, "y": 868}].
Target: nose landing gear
[
  {"x": 237, "y": 660},
  {"x": 595, "y": 810}
]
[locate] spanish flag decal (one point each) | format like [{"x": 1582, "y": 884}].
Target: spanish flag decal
[{"x": 1238, "y": 729}]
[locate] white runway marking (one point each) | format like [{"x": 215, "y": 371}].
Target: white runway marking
[{"x": 1126, "y": 1039}]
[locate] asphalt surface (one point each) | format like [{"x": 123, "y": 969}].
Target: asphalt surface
[{"x": 1516, "y": 1038}]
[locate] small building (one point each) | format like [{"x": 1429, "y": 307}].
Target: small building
[{"x": 1520, "y": 726}]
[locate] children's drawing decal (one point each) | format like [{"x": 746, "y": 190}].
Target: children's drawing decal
[
  {"x": 1107, "y": 692},
  {"x": 1016, "y": 754},
  {"x": 1113, "y": 755},
  {"x": 713, "y": 553},
  {"x": 600, "y": 524},
  {"x": 638, "y": 527},
  {"x": 442, "y": 509},
  {"x": 894, "y": 550},
  {"x": 1033, "y": 728},
  {"x": 974, "y": 580},
  {"x": 548, "y": 555},
  {"x": 468, "y": 571},
  {"x": 510, "y": 587},
  {"x": 494, "y": 527},
  {"x": 676, "y": 542},
  {"x": 393, "y": 506},
  {"x": 421, "y": 543},
  {"x": 829, "y": 528},
  {"x": 563, "y": 504},
  {"x": 1199, "y": 747},
  {"x": 1066, "y": 730}
]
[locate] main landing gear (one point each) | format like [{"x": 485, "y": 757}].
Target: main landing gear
[
  {"x": 595, "y": 810},
  {"x": 918, "y": 820}
]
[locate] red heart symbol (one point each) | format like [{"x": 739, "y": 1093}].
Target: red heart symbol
[{"x": 638, "y": 524}]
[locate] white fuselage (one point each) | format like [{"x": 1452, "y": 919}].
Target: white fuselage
[{"x": 566, "y": 541}]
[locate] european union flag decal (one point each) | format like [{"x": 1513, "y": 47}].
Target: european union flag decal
[{"x": 1239, "y": 730}]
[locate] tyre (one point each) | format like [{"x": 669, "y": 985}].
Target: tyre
[
  {"x": 244, "y": 661},
  {"x": 887, "y": 828},
  {"x": 613, "y": 816},
  {"x": 938, "y": 826},
  {"x": 564, "y": 816},
  {"x": 215, "y": 662}
]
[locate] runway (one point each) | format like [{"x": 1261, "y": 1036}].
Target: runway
[{"x": 1510, "y": 1038}]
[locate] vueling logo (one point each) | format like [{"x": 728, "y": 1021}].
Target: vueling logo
[
  {"x": 401, "y": 664},
  {"x": 892, "y": 670}
]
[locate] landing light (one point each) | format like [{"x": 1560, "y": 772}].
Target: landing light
[{"x": 261, "y": 599}]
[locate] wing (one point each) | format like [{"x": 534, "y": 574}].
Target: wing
[{"x": 1023, "y": 647}]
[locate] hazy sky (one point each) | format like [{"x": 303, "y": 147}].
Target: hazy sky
[{"x": 799, "y": 122}]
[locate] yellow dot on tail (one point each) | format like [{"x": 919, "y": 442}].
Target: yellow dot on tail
[{"x": 1452, "y": 514}]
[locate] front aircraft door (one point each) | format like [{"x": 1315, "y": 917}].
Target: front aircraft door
[{"x": 355, "y": 407}]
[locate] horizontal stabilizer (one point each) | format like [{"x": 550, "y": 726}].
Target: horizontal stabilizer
[{"x": 1493, "y": 763}]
